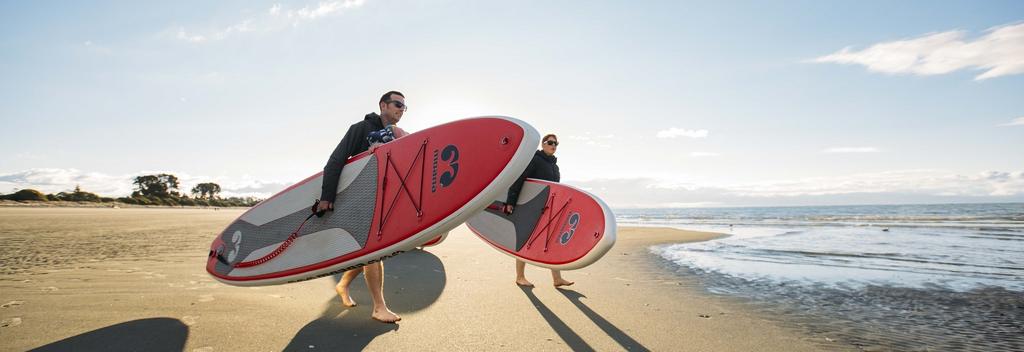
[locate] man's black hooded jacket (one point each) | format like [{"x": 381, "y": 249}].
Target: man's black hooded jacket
[{"x": 353, "y": 143}]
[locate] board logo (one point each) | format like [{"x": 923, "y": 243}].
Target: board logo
[
  {"x": 236, "y": 240},
  {"x": 571, "y": 224},
  {"x": 449, "y": 154}
]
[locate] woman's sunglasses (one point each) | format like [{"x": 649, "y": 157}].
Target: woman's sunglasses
[{"x": 552, "y": 143}]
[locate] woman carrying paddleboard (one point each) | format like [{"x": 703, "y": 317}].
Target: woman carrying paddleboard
[
  {"x": 364, "y": 135},
  {"x": 544, "y": 166}
]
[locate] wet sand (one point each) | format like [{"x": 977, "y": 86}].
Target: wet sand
[{"x": 134, "y": 279}]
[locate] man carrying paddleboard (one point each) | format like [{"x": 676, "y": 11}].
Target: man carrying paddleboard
[
  {"x": 543, "y": 166},
  {"x": 373, "y": 130}
]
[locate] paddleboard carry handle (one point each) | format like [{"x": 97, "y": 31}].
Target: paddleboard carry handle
[
  {"x": 219, "y": 254},
  {"x": 319, "y": 214}
]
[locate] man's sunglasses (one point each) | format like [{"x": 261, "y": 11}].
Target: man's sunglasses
[
  {"x": 552, "y": 143},
  {"x": 398, "y": 104}
]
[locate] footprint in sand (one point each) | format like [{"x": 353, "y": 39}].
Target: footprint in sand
[
  {"x": 189, "y": 320},
  {"x": 12, "y": 304},
  {"x": 49, "y": 289},
  {"x": 6, "y": 323},
  {"x": 205, "y": 298}
]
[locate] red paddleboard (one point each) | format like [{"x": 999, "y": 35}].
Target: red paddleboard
[
  {"x": 553, "y": 225},
  {"x": 436, "y": 241},
  {"x": 390, "y": 200}
]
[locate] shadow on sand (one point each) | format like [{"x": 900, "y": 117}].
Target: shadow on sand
[
  {"x": 614, "y": 332},
  {"x": 412, "y": 282},
  {"x": 152, "y": 334},
  {"x": 570, "y": 337}
]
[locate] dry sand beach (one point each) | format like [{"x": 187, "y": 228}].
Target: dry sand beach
[{"x": 134, "y": 279}]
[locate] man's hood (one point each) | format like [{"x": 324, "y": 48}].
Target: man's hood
[{"x": 375, "y": 120}]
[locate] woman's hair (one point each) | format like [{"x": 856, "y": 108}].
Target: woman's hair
[{"x": 550, "y": 135}]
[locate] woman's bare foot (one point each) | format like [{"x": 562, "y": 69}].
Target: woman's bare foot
[
  {"x": 346, "y": 299},
  {"x": 522, "y": 282},
  {"x": 385, "y": 315},
  {"x": 563, "y": 282}
]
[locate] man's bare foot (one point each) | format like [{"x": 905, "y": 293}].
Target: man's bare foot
[
  {"x": 385, "y": 316},
  {"x": 523, "y": 282},
  {"x": 563, "y": 282},
  {"x": 346, "y": 299}
]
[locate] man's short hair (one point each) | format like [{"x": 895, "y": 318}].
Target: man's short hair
[
  {"x": 545, "y": 139},
  {"x": 387, "y": 96}
]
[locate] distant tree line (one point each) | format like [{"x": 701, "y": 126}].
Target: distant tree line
[{"x": 159, "y": 189}]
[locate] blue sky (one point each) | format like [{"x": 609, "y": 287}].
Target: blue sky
[{"x": 656, "y": 103}]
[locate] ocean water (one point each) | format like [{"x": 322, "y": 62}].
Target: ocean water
[{"x": 900, "y": 277}]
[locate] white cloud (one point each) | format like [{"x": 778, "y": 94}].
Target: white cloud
[
  {"x": 1016, "y": 122},
  {"x": 927, "y": 182},
  {"x": 320, "y": 10},
  {"x": 851, "y": 150},
  {"x": 892, "y": 187},
  {"x": 680, "y": 132},
  {"x": 998, "y": 53},
  {"x": 276, "y": 18},
  {"x": 182, "y": 35},
  {"x": 65, "y": 180},
  {"x": 702, "y": 154}
]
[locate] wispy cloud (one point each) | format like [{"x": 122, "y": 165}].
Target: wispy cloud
[
  {"x": 277, "y": 17},
  {"x": 682, "y": 132},
  {"x": 998, "y": 53},
  {"x": 851, "y": 150},
  {"x": 320, "y": 10},
  {"x": 591, "y": 139},
  {"x": 1016, "y": 122},
  {"x": 702, "y": 154},
  {"x": 53, "y": 180}
]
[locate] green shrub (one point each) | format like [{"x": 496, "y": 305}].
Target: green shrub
[
  {"x": 142, "y": 200},
  {"x": 28, "y": 194},
  {"x": 169, "y": 201}
]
